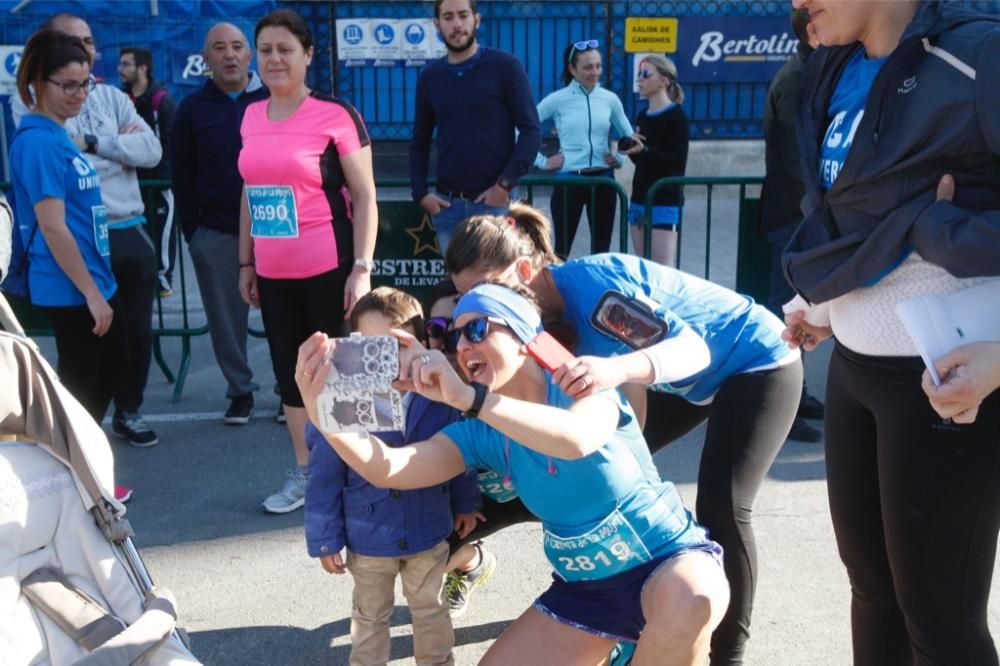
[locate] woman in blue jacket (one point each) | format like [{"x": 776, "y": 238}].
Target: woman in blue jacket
[
  {"x": 900, "y": 137},
  {"x": 586, "y": 117},
  {"x": 705, "y": 353},
  {"x": 630, "y": 563}
]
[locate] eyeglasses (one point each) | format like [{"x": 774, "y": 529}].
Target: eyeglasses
[
  {"x": 475, "y": 331},
  {"x": 71, "y": 88},
  {"x": 584, "y": 45},
  {"x": 437, "y": 327}
]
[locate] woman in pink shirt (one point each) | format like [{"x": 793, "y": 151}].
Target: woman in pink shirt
[{"x": 308, "y": 218}]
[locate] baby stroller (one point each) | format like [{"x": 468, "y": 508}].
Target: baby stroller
[{"x": 73, "y": 589}]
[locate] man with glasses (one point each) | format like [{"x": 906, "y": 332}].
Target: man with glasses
[
  {"x": 117, "y": 141},
  {"x": 487, "y": 127}
]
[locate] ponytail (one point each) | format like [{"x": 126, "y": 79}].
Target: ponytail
[{"x": 493, "y": 242}]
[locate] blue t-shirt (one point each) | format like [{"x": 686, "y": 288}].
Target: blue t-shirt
[
  {"x": 847, "y": 108},
  {"x": 590, "y": 506},
  {"x": 46, "y": 164},
  {"x": 741, "y": 336}
]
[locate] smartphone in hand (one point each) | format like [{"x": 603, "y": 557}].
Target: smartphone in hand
[{"x": 548, "y": 351}]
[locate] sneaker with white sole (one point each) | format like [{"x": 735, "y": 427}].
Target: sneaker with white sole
[
  {"x": 131, "y": 427},
  {"x": 291, "y": 496},
  {"x": 240, "y": 410},
  {"x": 458, "y": 587}
]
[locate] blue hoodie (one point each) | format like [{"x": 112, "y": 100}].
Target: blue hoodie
[{"x": 926, "y": 115}]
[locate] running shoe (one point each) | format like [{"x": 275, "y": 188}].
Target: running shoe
[
  {"x": 291, "y": 496},
  {"x": 459, "y": 586},
  {"x": 280, "y": 416},
  {"x": 123, "y": 493},
  {"x": 803, "y": 431},
  {"x": 240, "y": 410},
  {"x": 131, "y": 427},
  {"x": 166, "y": 289},
  {"x": 621, "y": 654}
]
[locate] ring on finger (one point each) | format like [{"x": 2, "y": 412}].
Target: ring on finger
[
  {"x": 424, "y": 359},
  {"x": 307, "y": 374}
]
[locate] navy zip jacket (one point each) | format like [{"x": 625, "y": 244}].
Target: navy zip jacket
[
  {"x": 342, "y": 509},
  {"x": 205, "y": 145},
  {"x": 933, "y": 109}
]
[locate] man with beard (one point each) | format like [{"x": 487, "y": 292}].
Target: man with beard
[{"x": 476, "y": 97}]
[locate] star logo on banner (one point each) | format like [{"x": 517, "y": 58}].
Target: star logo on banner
[{"x": 425, "y": 237}]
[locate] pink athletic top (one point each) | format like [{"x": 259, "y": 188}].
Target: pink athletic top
[{"x": 300, "y": 208}]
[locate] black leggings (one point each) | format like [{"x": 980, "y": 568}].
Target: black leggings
[
  {"x": 747, "y": 422},
  {"x": 294, "y": 309},
  {"x": 88, "y": 365},
  {"x": 133, "y": 261},
  {"x": 915, "y": 503},
  {"x": 566, "y": 217}
]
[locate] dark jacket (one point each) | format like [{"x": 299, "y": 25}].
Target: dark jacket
[
  {"x": 781, "y": 196},
  {"x": 205, "y": 147},
  {"x": 160, "y": 118},
  {"x": 476, "y": 108},
  {"x": 667, "y": 135},
  {"x": 342, "y": 509},
  {"x": 927, "y": 115}
]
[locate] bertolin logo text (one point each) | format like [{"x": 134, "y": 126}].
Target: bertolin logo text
[{"x": 714, "y": 46}]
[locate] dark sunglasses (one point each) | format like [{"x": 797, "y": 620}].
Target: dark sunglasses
[
  {"x": 646, "y": 73},
  {"x": 475, "y": 331},
  {"x": 584, "y": 45},
  {"x": 437, "y": 327}
]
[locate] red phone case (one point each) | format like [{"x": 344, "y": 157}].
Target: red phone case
[{"x": 549, "y": 353}]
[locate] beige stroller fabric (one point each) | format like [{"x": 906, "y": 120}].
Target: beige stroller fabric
[{"x": 49, "y": 482}]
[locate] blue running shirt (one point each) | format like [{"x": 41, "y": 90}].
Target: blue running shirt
[
  {"x": 46, "y": 164},
  {"x": 741, "y": 336},
  {"x": 614, "y": 495},
  {"x": 847, "y": 108}
]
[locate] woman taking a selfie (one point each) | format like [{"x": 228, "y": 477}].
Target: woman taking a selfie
[
  {"x": 706, "y": 354},
  {"x": 626, "y": 554}
]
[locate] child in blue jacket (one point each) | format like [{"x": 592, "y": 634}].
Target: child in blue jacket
[{"x": 388, "y": 532}]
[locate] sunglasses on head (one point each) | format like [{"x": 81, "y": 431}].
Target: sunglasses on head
[
  {"x": 584, "y": 45},
  {"x": 437, "y": 327},
  {"x": 475, "y": 331}
]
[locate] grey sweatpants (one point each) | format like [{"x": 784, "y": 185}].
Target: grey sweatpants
[{"x": 216, "y": 259}]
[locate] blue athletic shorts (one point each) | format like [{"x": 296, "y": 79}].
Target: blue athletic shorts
[
  {"x": 664, "y": 217},
  {"x": 611, "y": 607}
]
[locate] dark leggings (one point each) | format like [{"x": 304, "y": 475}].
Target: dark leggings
[
  {"x": 747, "y": 422},
  {"x": 133, "y": 261},
  {"x": 915, "y": 503},
  {"x": 88, "y": 365},
  {"x": 566, "y": 217},
  {"x": 294, "y": 309}
]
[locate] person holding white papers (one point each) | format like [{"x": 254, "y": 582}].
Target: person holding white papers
[
  {"x": 970, "y": 374},
  {"x": 890, "y": 106}
]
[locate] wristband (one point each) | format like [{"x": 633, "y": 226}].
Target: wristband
[
  {"x": 477, "y": 402},
  {"x": 249, "y": 264}
]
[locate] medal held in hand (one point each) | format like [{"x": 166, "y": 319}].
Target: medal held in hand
[{"x": 358, "y": 396}]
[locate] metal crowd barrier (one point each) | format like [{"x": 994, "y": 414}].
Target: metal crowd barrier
[{"x": 529, "y": 183}]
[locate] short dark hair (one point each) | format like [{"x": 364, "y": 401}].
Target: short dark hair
[
  {"x": 438, "y": 3},
  {"x": 143, "y": 58},
  {"x": 45, "y": 52},
  {"x": 290, "y": 21},
  {"x": 800, "y": 19},
  {"x": 399, "y": 307}
]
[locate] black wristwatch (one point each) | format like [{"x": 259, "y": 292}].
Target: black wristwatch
[
  {"x": 506, "y": 184},
  {"x": 91, "y": 142},
  {"x": 477, "y": 402}
]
